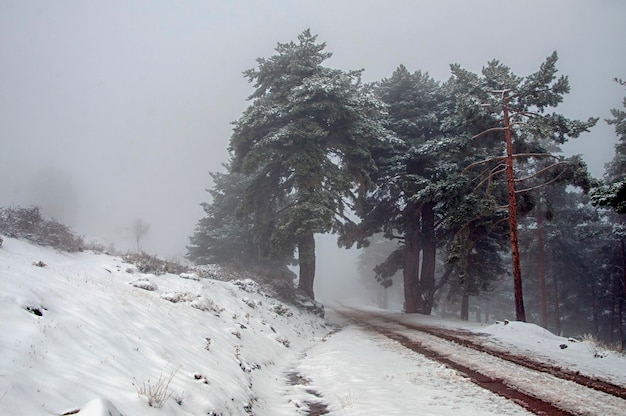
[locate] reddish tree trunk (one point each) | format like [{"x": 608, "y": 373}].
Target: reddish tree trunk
[
  {"x": 306, "y": 260},
  {"x": 520, "y": 314},
  {"x": 623, "y": 252},
  {"x": 622, "y": 300}
]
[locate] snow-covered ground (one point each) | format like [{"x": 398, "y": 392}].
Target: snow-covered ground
[{"x": 88, "y": 335}]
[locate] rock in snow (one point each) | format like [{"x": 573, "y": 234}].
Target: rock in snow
[{"x": 98, "y": 407}]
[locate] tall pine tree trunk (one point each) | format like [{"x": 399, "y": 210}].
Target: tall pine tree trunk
[
  {"x": 306, "y": 260},
  {"x": 620, "y": 329},
  {"x": 429, "y": 253},
  {"x": 465, "y": 307},
  {"x": 520, "y": 313},
  {"x": 557, "y": 311},
  {"x": 622, "y": 299},
  {"x": 411, "y": 261},
  {"x": 594, "y": 310}
]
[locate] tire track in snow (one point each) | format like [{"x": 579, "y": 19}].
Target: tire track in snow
[
  {"x": 464, "y": 339},
  {"x": 538, "y": 392}
]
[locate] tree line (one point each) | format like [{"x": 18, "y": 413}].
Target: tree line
[{"x": 466, "y": 175}]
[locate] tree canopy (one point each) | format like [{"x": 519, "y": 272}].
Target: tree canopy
[
  {"x": 418, "y": 161},
  {"x": 305, "y": 143}
]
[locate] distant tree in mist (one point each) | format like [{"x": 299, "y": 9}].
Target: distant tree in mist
[
  {"x": 225, "y": 234},
  {"x": 370, "y": 260},
  {"x": 613, "y": 194},
  {"x": 139, "y": 228},
  {"x": 582, "y": 264}
]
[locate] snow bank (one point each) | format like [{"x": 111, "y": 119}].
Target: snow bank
[
  {"x": 585, "y": 356},
  {"x": 82, "y": 333}
]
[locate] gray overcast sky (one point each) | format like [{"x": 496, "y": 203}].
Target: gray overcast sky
[{"x": 117, "y": 110}]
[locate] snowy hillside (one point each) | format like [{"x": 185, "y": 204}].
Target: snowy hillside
[
  {"x": 83, "y": 328},
  {"x": 87, "y": 334}
]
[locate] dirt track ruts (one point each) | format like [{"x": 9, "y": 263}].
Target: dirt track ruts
[{"x": 496, "y": 385}]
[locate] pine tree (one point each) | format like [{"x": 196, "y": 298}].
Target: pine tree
[
  {"x": 402, "y": 203},
  {"x": 613, "y": 195},
  {"x": 224, "y": 235},
  {"x": 520, "y": 104},
  {"x": 420, "y": 194},
  {"x": 305, "y": 142}
]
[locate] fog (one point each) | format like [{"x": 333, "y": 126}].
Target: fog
[{"x": 118, "y": 110}]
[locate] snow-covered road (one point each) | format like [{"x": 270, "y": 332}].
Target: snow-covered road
[
  {"x": 372, "y": 370},
  {"x": 358, "y": 372}
]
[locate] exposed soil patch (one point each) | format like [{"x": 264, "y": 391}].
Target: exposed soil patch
[
  {"x": 297, "y": 379},
  {"x": 314, "y": 407}
]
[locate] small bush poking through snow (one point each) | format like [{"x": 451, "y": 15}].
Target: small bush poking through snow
[
  {"x": 176, "y": 297},
  {"x": 157, "y": 393},
  {"x": 179, "y": 398},
  {"x": 144, "y": 284},
  {"x": 283, "y": 341},
  {"x": 282, "y": 310},
  {"x": 248, "y": 285},
  {"x": 189, "y": 276},
  {"x": 598, "y": 348},
  {"x": 147, "y": 263},
  {"x": 205, "y": 304},
  {"x": 250, "y": 302},
  {"x": 29, "y": 224},
  {"x": 347, "y": 401},
  {"x": 207, "y": 271}
]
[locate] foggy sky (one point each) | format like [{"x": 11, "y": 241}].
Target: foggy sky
[{"x": 116, "y": 110}]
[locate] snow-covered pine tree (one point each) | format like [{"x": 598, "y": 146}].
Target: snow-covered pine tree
[
  {"x": 520, "y": 104},
  {"x": 419, "y": 198},
  {"x": 403, "y": 203},
  {"x": 613, "y": 195},
  {"x": 223, "y": 236},
  {"x": 306, "y": 141}
]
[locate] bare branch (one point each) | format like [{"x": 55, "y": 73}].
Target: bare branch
[
  {"x": 535, "y": 155},
  {"x": 482, "y": 162},
  {"x": 532, "y": 188},
  {"x": 539, "y": 172},
  {"x": 494, "y": 172},
  {"x": 488, "y": 131}
]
